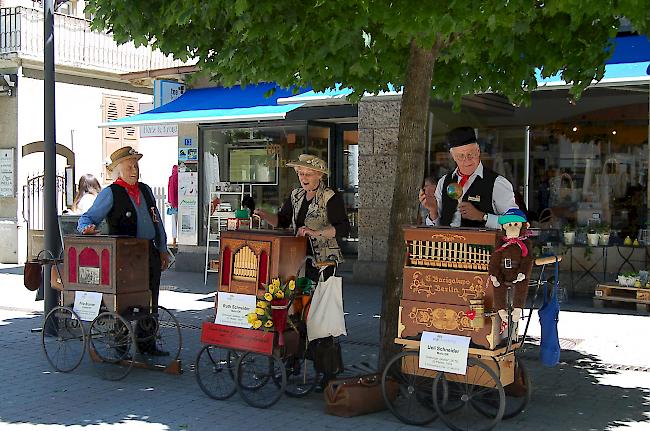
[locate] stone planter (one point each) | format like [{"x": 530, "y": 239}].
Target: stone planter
[
  {"x": 592, "y": 239},
  {"x": 569, "y": 238}
]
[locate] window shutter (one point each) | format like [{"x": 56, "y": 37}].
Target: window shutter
[{"x": 113, "y": 108}]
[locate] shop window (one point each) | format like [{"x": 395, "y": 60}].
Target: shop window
[{"x": 113, "y": 108}]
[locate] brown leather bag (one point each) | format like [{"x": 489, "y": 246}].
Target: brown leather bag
[
  {"x": 356, "y": 396},
  {"x": 32, "y": 275}
]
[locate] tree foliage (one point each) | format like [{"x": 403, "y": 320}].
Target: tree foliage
[{"x": 488, "y": 45}]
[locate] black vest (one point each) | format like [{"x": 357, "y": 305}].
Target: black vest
[
  {"x": 122, "y": 219},
  {"x": 482, "y": 187}
]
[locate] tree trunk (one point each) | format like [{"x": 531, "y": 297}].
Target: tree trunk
[{"x": 410, "y": 171}]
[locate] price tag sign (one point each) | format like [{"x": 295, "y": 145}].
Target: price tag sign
[
  {"x": 233, "y": 309},
  {"x": 444, "y": 352},
  {"x": 86, "y": 304}
]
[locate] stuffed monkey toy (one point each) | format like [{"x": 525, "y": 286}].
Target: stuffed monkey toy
[{"x": 511, "y": 262}]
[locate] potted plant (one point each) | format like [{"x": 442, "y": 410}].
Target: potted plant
[
  {"x": 603, "y": 234},
  {"x": 569, "y": 232},
  {"x": 593, "y": 237}
]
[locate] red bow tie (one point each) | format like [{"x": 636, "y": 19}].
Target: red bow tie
[{"x": 519, "y": 241}]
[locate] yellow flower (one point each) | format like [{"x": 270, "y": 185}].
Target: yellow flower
[
  {"x": 268, "y": 323},
  {"x": 257, "y": 324},
  {"x": 292, "y": 284},
  {"x": 252, "y": 317},
  {"x": 276, "y": 283},
  {"x": 259, "y": 311},
  {"x": 262, "y": 304},
  {"x": 279, "y": 294},
  {"x": 271, "y": 289},
  {"x": 268, "y": 296}
]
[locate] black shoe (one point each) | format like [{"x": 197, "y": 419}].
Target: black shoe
[{"x": 156, "y": 352}]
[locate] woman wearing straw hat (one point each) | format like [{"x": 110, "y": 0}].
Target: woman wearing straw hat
[
  {"x": 129, "y": 208},
  {"x": 318, "y": 212},
  {"x": 313, "y": 210}
]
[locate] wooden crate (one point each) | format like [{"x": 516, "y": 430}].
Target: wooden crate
[
  {"x": 105, "y": 263},
  {"x": 502, "y": 363},
  {"x": 250, "y": 340},
  {"x": 416, "y": 317},
  {"x": 612, "y": 294}
]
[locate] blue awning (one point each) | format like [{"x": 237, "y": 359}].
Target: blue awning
[
  {"x": 216, "y": 105},
  {"x": 630, "y": 62}
]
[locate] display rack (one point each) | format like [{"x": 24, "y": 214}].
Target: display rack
[{"x": 217, "y": 221}]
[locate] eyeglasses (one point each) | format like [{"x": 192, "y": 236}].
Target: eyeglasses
[{"x": 469, "y": 156}]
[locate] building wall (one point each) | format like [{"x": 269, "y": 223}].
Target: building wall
[
  {"x": 78, "y": 115},
  {"x": 8, "y": 205},
  {"x": 378, "y": 128}
]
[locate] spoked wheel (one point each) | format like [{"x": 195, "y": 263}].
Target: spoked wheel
[
  {"x": 302, "y": 377},
  {"x": 63, "y": 339},
  {"x": 215, "y": 372},
  {"x": 261, "y": 379},
  {"x": 463, "y": 407},
  {"x": 158, "y": 337},
  {"x": 407, "y": 395},
  {"x": 517, "y": 395},
  {"x": 112, "y": 345}
]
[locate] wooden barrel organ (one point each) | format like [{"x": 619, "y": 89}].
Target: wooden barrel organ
[{"x": 445, "y": 285}]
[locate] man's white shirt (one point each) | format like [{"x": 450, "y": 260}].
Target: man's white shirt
[{"x": 503, "y": 198}]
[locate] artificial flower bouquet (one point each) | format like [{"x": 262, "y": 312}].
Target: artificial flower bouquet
[{"x": 272, "y": 309}]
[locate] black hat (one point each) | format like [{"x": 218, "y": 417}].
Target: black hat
[{"x": 461, "y": 136}]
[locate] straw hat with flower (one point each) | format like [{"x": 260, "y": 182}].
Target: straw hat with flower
[{"x": 310, "y": 162}]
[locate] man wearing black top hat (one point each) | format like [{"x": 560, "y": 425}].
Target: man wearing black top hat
[{"x": 485, "y": 194}]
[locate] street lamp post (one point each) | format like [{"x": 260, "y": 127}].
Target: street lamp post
[{"x": 52, "y": 242}]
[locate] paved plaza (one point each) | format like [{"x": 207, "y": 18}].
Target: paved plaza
[{"x": 602, "y": 383}]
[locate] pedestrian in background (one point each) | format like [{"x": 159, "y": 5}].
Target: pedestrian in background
[
  {"x": 87, "y": 191},
  {"x": 172, "y": 193}
]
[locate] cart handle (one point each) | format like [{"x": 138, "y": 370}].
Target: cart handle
[{"x": 547, "y": 260}]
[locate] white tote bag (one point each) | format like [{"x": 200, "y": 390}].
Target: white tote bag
[{"x": 325, "y": 316}]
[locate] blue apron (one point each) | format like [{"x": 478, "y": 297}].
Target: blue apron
[{"x": 549, "y": 349}]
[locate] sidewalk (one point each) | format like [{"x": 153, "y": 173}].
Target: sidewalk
[{"x": 602, "y": 383}]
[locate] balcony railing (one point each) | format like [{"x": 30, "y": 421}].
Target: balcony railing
[{"x": 21, "y": 34}]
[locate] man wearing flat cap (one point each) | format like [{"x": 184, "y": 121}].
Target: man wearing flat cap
[
  {"x": 129, "y": 208},
  {"x": 485, "y": 194}
]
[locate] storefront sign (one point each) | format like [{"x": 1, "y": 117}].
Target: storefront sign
[
  {"x": 86, "y": 304},
  {"x": 444, "y": 352},
  {"x": 158, "y": 130},
  {"x": 233, "y": 309},
  {"x": 188, "y": 154},
  {"x": 7, "y": 173},
  {"x": 187, "y": 218}
]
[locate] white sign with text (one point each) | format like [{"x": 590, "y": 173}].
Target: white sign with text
[
  {"x": 86, "y": 304},
  {"x": 444, "y": 352},
  {"x": 233, "y": 309}
]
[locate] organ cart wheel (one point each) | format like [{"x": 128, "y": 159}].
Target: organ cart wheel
[
  {"x": 411, "y": 403},
  {"x": 517, "y": 395},
  {"x": 165, "y": 335},
  {"x": 463, "y": 406},
  {"x": 63, "y": 339},
  {"x": 261, "y": 379},
  {"x": 215, "y": 371},
  {"x": 112, "y": 345},
  {"x": 302, "y": 377}
]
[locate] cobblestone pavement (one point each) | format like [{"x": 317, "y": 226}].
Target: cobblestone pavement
[{"x": 603, "y": 382}]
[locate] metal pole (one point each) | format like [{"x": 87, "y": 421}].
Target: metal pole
[
  {"x": 49, "y": 202},
  {"x": 527, "y": 165}
]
